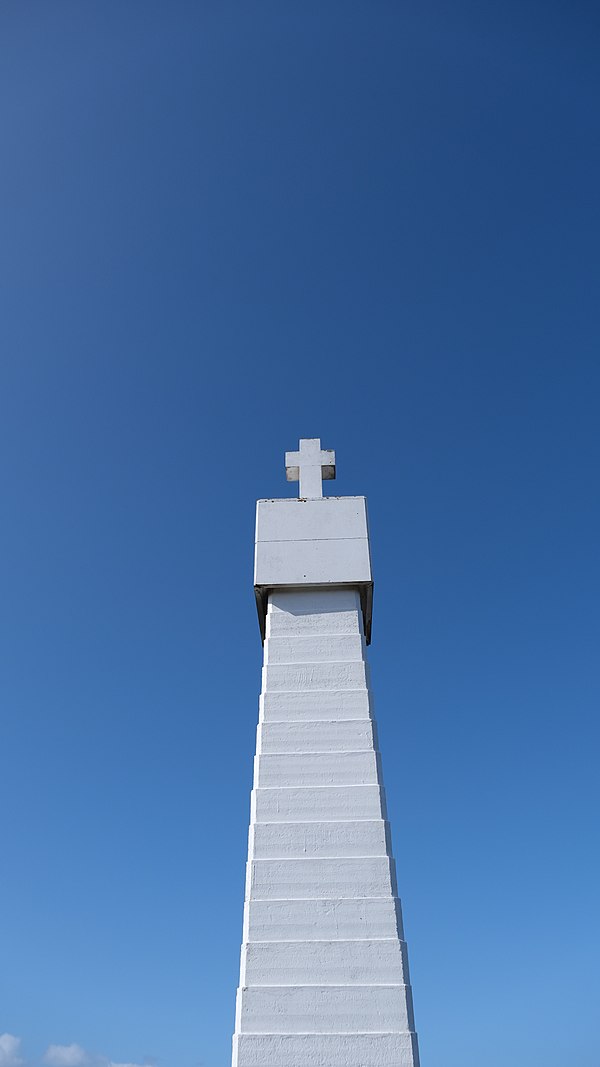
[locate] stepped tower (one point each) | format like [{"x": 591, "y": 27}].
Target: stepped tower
[{"x": 324, "y": 971}]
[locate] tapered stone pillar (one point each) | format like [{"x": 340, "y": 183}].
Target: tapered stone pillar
[{"x": 324, "y": 971}]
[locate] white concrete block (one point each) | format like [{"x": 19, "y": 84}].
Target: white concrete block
[
  {"x": 292, "y": 879},
  {"x": 311, "y": 542},
  {"x": 277, "y": 840},
  {"x": 325, "y": 1050},
  {"x": 303, "y": 677},
  {"x": 285, "y": 707},
  {"x": 322, "y": 1009},
  {"x": 322, "y": 920},
  {"x": 292, "y": 520},
  {"x": 326, "y": 802},
  {"x": 350, "y": 735},
  {"x": 316, "y": 768},
  {"x": 327, "y": 963},
  {"x": 316, "y": 562},
  {"x": 326, "y": 648}
]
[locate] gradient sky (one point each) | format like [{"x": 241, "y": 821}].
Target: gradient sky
[{"x": 224, "y": 226}]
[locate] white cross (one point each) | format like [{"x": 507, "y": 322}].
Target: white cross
[{"x": 309, "y": 466}]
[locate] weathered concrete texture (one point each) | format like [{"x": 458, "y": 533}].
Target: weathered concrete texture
[
  {"x": 311, "y": 879},
  {"x": 316, "y": 648},
  {"x": 324, "y": 971},
  {"x": 335, "y": 839},
  {"x": 344, "y": 962},
  {"x": 316, "y": 768},
  {"x": 298, "y": 707},
  {"x": 322, "y": 920},
  {"x": 318, "y": 1009},
  {"x": 286, "y": 804},
  {"x": 325, "y": 1050},
  {"x": 324, "y": 736}
]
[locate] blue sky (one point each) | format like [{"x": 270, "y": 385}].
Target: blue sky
[{"x": 225, "y": 226}]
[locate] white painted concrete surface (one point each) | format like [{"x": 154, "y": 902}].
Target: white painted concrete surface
[
  {"x": 314, "y": 1009},
  {"x": 316, "y": 768},
  {"x": 325, "y": 1050},
  {"x": 324, "y": 974},
  {"x": 333, "y": 648},
  {"x": 322, "y": 920},
  {"x": 328, "y": 879},
  {"x": 329, "y": 704},
  {"x": 324, "y": 736},
  {"x": 303, "y": 677},
  {"x": 326, "y": 802},
  {"x": 318, "y": 962},
  {"x": 309, "y": 466},
  {"x": 302, "y": 613},
  {"x": 291, "y": 521},
  {"x": 351, "y": 837}
]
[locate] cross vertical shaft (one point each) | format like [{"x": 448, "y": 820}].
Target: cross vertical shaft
[{"x": 309, "y": 466}]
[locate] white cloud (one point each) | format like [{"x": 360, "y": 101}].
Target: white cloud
[
  {"x": 66, "y": 1056},
  {"x": 9, "y": 1051},
  {"x": 73, "y": 1056}
]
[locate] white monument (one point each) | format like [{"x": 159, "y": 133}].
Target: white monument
[{"x": 324, "y": 971}]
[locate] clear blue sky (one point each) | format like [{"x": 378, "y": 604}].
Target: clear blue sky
[{"x": 225, "y": 226}]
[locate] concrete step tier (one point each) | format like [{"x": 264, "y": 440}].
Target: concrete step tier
[
  {"x": 285, "y": 804},
  {"x": 324, "y": 704},
  {"x": 277, "y": 840},
  {"x": 323, "y": 648},
  {"x": 322, "y": 920},
  {"x": 290, "y": 963},
  {"x": 325, "y": 1050},
  {"x": 322, "y": 1009},
  {"x": 326, "y": 735},
  {"x": 316, "y": 768},
  {"x": 331, "y": 879},
  {"x": 307, "y": 677}
]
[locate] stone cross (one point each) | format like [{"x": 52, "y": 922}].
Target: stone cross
[{"x": 309, "y": 466}]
